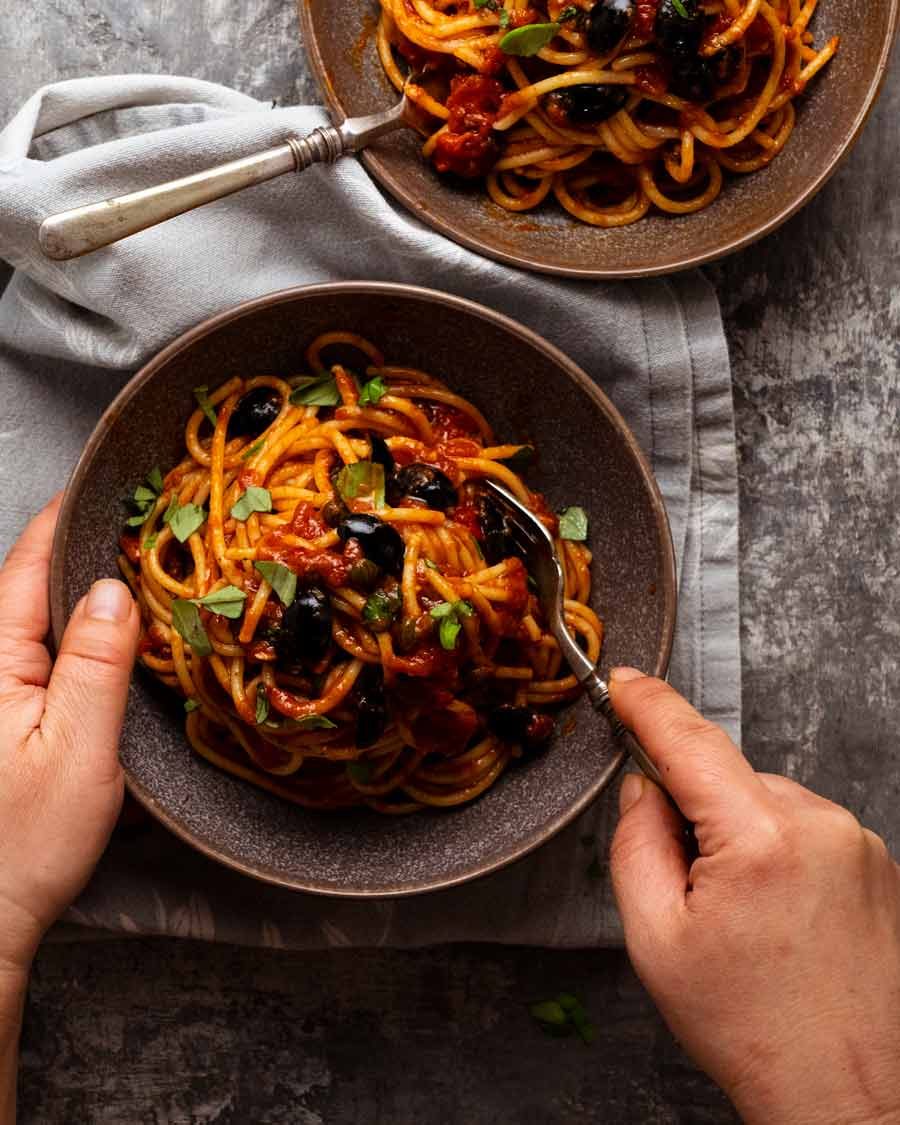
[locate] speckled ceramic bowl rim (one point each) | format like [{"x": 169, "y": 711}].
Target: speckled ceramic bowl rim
[
  {"x": 396, "y": 187},
  {"x": 471, "y": 309}
]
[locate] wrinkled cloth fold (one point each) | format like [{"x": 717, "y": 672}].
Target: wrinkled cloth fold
[{"x": 72, "y": 333}]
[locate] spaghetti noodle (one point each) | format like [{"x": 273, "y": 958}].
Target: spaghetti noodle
[
  {"x": 616, "y": 107},
  {"x": 337, "y": 600}
]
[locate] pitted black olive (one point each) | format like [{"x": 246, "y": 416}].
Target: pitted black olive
[
  {"x": 422, "y": 482},
  {"x": 255, "y": 412},
  {"x": 521, "y": 725},
  {"x": 381, "y": 455},
  {"x": 371, "y": 718},
  {"x": 676, "y": 35},
  {"x": 608, "y": 23},
  {"x": 587, "y": 104},
  {"x": 498, "y": 541},
  {"x": 378, "y": 540},
  {"x": 698, "y": 78},
  {"x": 305, "y": 630}
]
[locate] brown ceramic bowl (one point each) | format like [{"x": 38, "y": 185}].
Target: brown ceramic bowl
[
  {"x": 587, "y": 456},
  {"x": 831, "y": 114}
]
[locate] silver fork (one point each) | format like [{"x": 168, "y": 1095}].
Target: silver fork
[
  {"x": 85, "y": 229},
  {"x": 544, "y": 566}
]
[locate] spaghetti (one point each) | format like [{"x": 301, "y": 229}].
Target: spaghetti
[
  {"x": 340, "y": 604},
  {"x": 615, "y": 107}
]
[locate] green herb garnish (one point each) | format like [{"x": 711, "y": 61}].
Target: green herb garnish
[
  {"x": 184, "y": 520},
  {"x": 255, "y": 448},
  {"x": 681, "y": 9},
  {"x": 504, "y": 18},
  {"x": 200, "y": 394},
  {"x": 229, "y": 601},
  {"x": 313, "y": 722},
  {"x": 524, "y": 455},
  {"x": 316, "y": 390},
  {"x": 380, "y": 610},
  {"x": 142, "y": 501},
  {"x": 150, "y": 542},
  {"x": 449, "y": 614},
  {"x": 373, "y": 392},
  {"x": 186, "y": 621},
  {"x": 563, "y": 1015},
  {"x": 282, "y": 580},
  {"x": 191, "y": 705},
  {"x": 567, "y": 14},
  {"x": 573, "y": 524},
  {"x": 362, "y": 479},
  {"x": 431, "y": 564},
  {"x": 262, "y": 704},
  {"x": 255, "y": 499},
  {"x": 360, "y": 772},
  {"x": 491, "y": 5},
  {"x": 528, "y": 40}
]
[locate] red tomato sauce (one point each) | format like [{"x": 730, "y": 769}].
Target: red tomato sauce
[
  {"x": 447, "y": 422},
  {"x": 645, "y": 17},
  {"x": 445, "y": 731},
  {"x": 468, "y": 147}
]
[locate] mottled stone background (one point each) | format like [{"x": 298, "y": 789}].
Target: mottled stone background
[{"x": 160, "y": 1033}]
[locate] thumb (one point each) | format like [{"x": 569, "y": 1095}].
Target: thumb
[
  {"x": 88, "y": 687},
  {"x": 648, "y": 863}
]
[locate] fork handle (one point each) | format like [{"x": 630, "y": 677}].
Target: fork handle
[
  {"x": 83, "y": 229},
  {"x": 597, "y": 692}
]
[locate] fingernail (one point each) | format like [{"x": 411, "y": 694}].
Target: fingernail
[
  {"x": 630, "y": 793},
  {"x": 623, "y": 675},
  {"x": 109, "y": 600}
]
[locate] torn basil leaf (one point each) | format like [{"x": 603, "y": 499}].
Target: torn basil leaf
[
  {"x": 528, "y": 40},
  {"x": 229, "y": 602},
  {"x": 573, "y": 524},
  {"x": 255, "y": 499},
  {"x": 373, "y": 392},
  {"x": 262, "y": 704},
  {"x": 316, "y": 391},
  {"x": 186, "y": 621},
  {"x": 360, "y": 480},
  {"x": 201, "y": 395},
  {"x": 184, "y": 520},
  {"x": 282, "y": 580}
]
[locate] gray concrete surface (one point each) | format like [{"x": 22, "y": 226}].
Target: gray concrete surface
[{"x": 155, "y": 1032}]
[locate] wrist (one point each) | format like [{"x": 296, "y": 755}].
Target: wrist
[{"x": 859, "y": 1091}]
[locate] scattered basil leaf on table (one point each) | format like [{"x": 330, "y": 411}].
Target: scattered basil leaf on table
[
  {"x": 201, "y": 395},
  {"x": 255, "y": 499},
  {"x": 528, "y": 40},
  {"x": 562, "y": 1016},
  {"x": 573, "y": 524},
  {"x": 186, "y": 621},
  {"x": 282, "y": 580}
]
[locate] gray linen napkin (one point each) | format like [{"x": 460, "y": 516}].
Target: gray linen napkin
[{"x": 70, "y": 334}]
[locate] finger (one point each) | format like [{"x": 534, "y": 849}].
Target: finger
[
  {"x": 24, "y": 606},
  {"x": 648, "y": 863},
  {"x": 708, "y": 777},
  {"x": 89, "y": 684}
]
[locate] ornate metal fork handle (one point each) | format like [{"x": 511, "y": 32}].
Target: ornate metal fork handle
[{"x": 84, "y": 229}]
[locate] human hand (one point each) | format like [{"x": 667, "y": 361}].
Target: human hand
[
  {"x": 60, "y": 779},
  {"x": 775, "y": 956}
]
